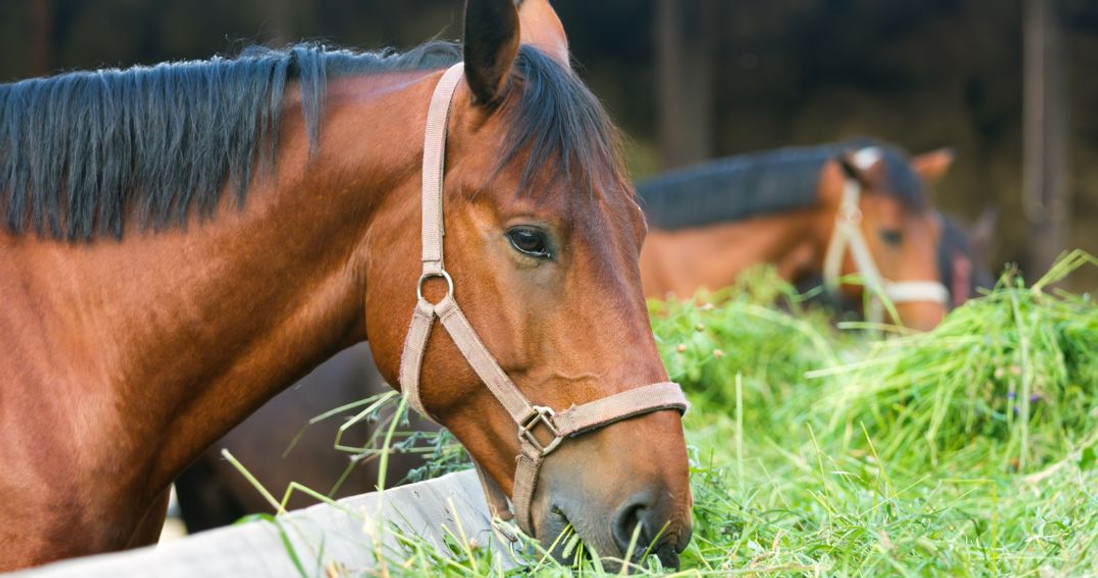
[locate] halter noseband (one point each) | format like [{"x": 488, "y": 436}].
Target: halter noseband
[
  {"x": 554, "y": 427},
  {"x": 848, "y": 234}
]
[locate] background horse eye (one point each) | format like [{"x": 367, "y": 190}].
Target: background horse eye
[
  {"x": 892, "y": 237},
  {"x": 530, "y": 241}
]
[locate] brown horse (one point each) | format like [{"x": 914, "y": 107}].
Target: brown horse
[
  {"x": 157, "y": 289},
  {"x": 790, "y": 207}
]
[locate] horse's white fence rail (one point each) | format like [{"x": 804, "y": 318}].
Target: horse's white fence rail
[{"x": 347, "y": 533}]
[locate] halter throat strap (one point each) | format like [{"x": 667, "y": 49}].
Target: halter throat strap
[
  {"x": 540, "y": 428},
  {"x": 848, "y": 236}
]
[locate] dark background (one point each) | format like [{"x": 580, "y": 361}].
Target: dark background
[{"x": 735, "y": 77}]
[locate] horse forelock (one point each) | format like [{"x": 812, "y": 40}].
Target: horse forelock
[
  {"x": 903, "y": 183},
  {"x": 560, "y": 132}
]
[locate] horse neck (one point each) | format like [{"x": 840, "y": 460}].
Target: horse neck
[
  {"x": 163, "y": 342},
  {"x": 685, "y": 260}
]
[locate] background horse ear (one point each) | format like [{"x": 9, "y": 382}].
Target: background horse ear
[
  {"x": 932, "y": 166},
  {"x": 541, "y": 28},
  {"x": 491, "y": 45}
]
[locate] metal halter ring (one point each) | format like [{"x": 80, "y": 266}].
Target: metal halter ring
[
  {"x": 540, "y": 414},
  {"x": 426, "y": 276}
]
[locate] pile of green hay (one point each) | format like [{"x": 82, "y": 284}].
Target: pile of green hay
[{"x": 1011, "y": 377}]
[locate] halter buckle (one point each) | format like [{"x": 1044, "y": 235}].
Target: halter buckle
[
  {"x": 539, "y": 415},
  {"x": 427, "y": 275}
]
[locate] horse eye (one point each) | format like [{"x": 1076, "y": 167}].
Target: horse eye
[
  {"x": 531, "y": 241},
  {"x": 892, "y": 237}
]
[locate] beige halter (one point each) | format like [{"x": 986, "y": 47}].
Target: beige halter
[
  {"x": 848, "y": 234},
  {"x": 554, "y": 427}
]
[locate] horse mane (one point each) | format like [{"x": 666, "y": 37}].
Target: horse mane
[
  {"x": 81, "y": 153},
  {"x": 750, "y": 185}
]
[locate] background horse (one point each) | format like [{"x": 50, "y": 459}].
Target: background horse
[
  {"x": 711, "y": 221},
  {"x": 184, "y": 241},
  {"x": 962, "y": 266}
]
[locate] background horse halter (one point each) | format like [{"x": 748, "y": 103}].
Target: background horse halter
[
  {"x": 530, "y": 418},
  {"x": 848, "y": 235}
]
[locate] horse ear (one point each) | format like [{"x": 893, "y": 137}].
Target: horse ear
[
  {"x": 541, "y": 28},
  {"x": 491, "y": 45},
  {"x": 932, "y": 166}
]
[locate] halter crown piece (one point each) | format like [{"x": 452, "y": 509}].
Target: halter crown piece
[
  {"x": 848, "y": 235},
  {"x": 540, "y": 429}
]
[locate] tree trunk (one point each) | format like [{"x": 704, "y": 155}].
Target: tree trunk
[
  {"x": 686, "y": 33},
  {"x": 1045, "y": 200}
]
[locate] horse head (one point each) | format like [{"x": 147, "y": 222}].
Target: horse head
[
  {"x": 882, "y": 228},
  {"x": 541, "y": 241}
]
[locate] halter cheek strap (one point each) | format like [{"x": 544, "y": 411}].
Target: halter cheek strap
[
  {"x": 848, "y": 236},
  {"x": 540, "y": 429}
]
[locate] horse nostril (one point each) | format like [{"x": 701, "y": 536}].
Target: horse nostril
[
  {"x": 637, "y": 516},
  {"x": 625, "y": 523},
  {"x": 640, "y": 512}
]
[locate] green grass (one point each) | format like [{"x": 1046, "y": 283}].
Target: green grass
[{"x": 967, "y": 451}]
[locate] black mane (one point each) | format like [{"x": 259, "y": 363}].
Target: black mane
[
  {"x": 743, "y": 186},
  {"x": 83, "y": 152}
]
